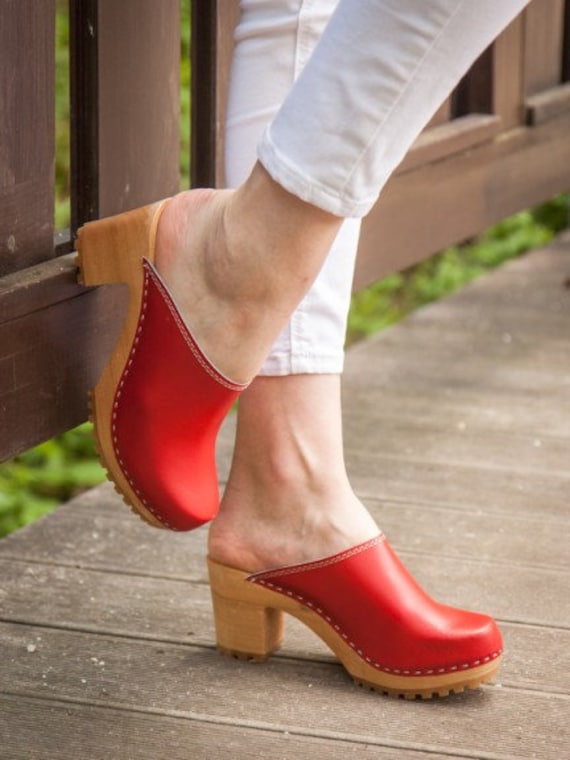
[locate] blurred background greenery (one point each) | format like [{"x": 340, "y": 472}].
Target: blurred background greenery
[{"x": 37, "y": 481}]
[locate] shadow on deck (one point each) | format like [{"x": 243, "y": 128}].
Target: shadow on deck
[{"x": 458, "y": 439}]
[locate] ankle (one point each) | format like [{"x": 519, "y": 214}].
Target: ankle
[
  {"x": 287, "y": 238},
  {"x": 286, "y": 522}
]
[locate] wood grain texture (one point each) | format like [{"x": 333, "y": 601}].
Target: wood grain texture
[
  {"x": 34, "y": 731},
  {"x": 286, "y": 695},
  {"x": 54, "y": 355},
  {"x": 89, "y": 535},
  {"x": 139, "y": 108},
  {"x": 508, "y": 74},
  {"x": 27, "y": 131},
  {"x": 543, "y": 41},
  {"x": 422, "y": 211},
  {"x": 448, "y": 137},
  {"x": 548, "y": 104}
]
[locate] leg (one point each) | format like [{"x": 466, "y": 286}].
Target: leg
[
  {"x": 442, "y": 31},
  {"x": 273, "y": 41},
  {"x": 239, "y": 264},
  {"x": 288, "y": 498},
  {"x": 288, "y": 501}
]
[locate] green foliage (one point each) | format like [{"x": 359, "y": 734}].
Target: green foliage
[
  {"x": 62, "y": 135},
  {"x": 395, "y": 296},
  {"x": 185, "y": 74},
  {"x": 37, "y": 481}
]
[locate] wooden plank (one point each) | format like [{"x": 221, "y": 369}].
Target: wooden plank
[
  {"x": 27, "y": 87},
  {"x": 448, "y": 138},
  {"x": 38, "y": 287},
  {"x": 97, "y": 532},
  {"x": 508, "y": 78},
  {"x": 440, "y": 483},
  {"x": 543, "y": 40},
  {"x": 483, "y": 451},
  {"x": 94, "y": 600},
  {"x": 56, "y": 353},
  {"x": 34, "y": 730},
  {"x": 424, "y": 210},
  {"x": 283, "y": 695},
  {"x": 139, "y": 108},
  {"x": 212, "y": 47},
  {"x": 536, "y": 657},
  {"x": 462, "y": 410},
  {"x": 482, "y": 534},
  {"x": 474, "y": 373},
  {"x": 547, "y": 104}
]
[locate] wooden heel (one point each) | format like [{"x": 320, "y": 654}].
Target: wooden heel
[
  {"x": 246, "y": 631},
  {"x": 245, "y": 626},
  {"x": 110, "y": 250}
]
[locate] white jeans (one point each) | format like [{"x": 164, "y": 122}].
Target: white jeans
[{"x": 369, "y": 75}]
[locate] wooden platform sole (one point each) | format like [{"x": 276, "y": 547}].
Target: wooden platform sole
[
  {"x": 249, "y": 625},
  {"x": 111, "y": 251}
]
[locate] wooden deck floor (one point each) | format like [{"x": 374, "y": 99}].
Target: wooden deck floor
[{"x": 458, "y": 438}]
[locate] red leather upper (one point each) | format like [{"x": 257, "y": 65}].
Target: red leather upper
[
  {"x": 167, "y": 411},
  {"x": 372, "y": 601}
]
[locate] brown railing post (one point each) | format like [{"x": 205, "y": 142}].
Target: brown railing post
[
  {"x": 139, "y": 102},
  {"x": 27, "y": 85},
  {"x": 125, "y": 82}
]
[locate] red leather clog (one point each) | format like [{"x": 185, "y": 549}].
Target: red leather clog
[
  {"x": 387, "y": 632},
  {"x": 159, "y": 403}
]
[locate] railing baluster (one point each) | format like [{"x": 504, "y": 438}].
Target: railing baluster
[{"x": 84, "y": 89}]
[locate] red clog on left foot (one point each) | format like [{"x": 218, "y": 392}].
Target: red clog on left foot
[{"x": 159, "y": 403}]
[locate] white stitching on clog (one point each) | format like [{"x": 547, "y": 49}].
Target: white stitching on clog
[
  {"x": 206, "y": 365},
  {"x": 148, "y": 274},
  {"x": 115, "y": 408},
  {"x": 259, "y": 579}
]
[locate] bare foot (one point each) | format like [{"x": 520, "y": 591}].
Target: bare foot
[
  {"x": 303, "y": 527},
  {"x": 288, "y": 498},
  {"x": 237, "y": 264}
]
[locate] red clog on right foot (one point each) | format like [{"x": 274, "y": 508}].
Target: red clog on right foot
[
  {"x": 387, "y": 632},
  {"x": 159, "y": 403}
]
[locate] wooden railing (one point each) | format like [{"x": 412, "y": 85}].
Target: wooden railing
[{"x": 501, "y": 143}]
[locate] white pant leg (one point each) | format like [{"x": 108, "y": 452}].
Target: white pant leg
[
  {"x": 274, "y": 39},
  {"x": 379, "y": 72}
]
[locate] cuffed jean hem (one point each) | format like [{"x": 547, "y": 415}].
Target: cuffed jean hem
[
  {"x": 279, "y": 365},
  {"x": 295, "y": 181}
]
